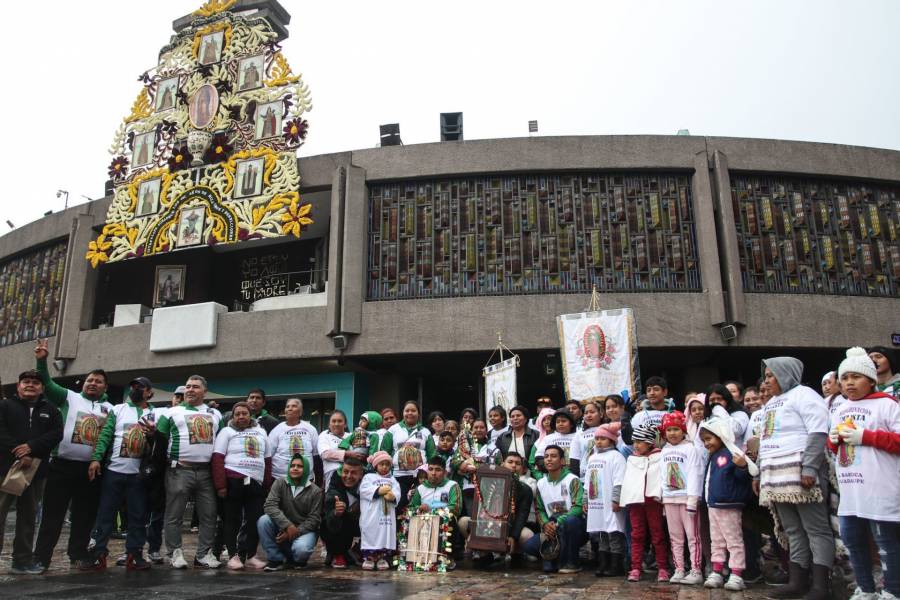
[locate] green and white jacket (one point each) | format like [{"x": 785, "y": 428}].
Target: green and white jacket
[
  {"x": 191, "y": 431},
  {"x": 124, "y": 432}
]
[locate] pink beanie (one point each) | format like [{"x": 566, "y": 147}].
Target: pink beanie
[
  {"x": 609, "y": 431},
  {"x": 378, "y": 457}
]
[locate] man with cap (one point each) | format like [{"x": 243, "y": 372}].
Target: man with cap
[
  {"x": 83, "y": 415},
  {"x": 30, "y": 427},
  {"x": 129, "y": 429},
  {"x": 888, "y": 381}
]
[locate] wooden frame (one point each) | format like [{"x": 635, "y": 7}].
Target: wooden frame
[
  {"x": 168, "y": 285},
  {"x": 487, "y": 532}
]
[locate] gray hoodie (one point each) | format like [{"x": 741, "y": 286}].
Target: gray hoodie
[{"x": 786, "y": 369}]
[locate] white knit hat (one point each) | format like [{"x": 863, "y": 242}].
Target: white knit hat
[
  {"x": 858, "y": 361},
  {"x": 721, "y": 428}
]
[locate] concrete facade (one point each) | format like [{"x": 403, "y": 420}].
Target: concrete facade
[{"x": 300, "y": 339}]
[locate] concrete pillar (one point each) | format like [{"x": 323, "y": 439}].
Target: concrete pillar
[
  {"x": 79, "y": 288},
  {"x": 353, "y": 274},
  {"x": 707, "y": 249},
  {"x": 335, "y": 251},
  {"x": 728, "y": 245}
]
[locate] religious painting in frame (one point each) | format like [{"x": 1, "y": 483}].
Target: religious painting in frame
[
  {"x": 190, "y": 226},
  {"x": 168, "y": 285},
  {"x": 166, "y": 92},
  {"x": 250, "y": 73},
  {"x": 148, "y": 198},
  {"x": 144, "y": 147},
  {"x": 203, "y": 106},
  {"x": 211, "y": 48},
  {"x": 249, "y": 177},
  {"x": 268, "y": 120},
  {"x": 492, "y": 506}
]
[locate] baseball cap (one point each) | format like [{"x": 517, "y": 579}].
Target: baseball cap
[
  {"x": 180, "y": 390},
  {"x": 30, "y": 374},
  {"x": 141, "y": 381}
]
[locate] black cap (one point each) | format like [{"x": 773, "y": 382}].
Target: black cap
[
  {"x": 142, "y": 381},
  {"x": 30, "y": 374}
]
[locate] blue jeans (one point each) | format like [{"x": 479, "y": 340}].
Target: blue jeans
[
  {"x": 573, "y": 535},
  {"x": 300, "y": 549},
  {"x": 115, "y": 487},
  {"x": 887, "y": 537}
]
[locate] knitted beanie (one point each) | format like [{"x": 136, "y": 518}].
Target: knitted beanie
[
  {"x": 673, "y": 419},
  {"x": 609, "y": 431},
  {"x": 858, "y": 361},
  {"x": 645, "y": 433},
  {"x": 378, "y": 457}
]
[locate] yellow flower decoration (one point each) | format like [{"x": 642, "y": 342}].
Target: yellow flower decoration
[
  {"x": 213, "y": 7},
  {"x": 97, "y": 250},
  {"x": 295, "y": 218}
]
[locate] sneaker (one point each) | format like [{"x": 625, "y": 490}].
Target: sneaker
[
  {"x": 715, "y": 580},
  {"x": 693, "y": 578},
  {"x": 156, "y": 558},
  {"x": 735, "y": 583},
  {"x": 634, "y": 575},
  {"x": 858, "y": 594},
  {"x": 36, "y": 569},
  {"x": 178, "y": 561},
  {"x": 96, "y": 562},
  {"x": 274, "y": 565},
  {"x": 663, "y": 576},
  {"x": 677, "y": 576},
  {"x": 382, "y": 565},
  {"x": 207, "y": 562},
  {"x": 234, "y": 563},
  {"x": 18, "y": 569},
  {"x": 255, "y": 564},
  {"x": 339, "y": 562},
  {"x": 120, "y": 562},
  {"x": 368, "y": 565},
  {"x": 567, "y": 569},
  {"x": 886, "y": 595},
  {"x": 136, "y": 562},
  {"x": 195, "y": 530}
]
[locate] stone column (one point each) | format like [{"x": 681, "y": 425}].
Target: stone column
[{"x": 707, "y": 249}]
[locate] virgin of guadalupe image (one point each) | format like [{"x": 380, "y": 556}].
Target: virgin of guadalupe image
[
  {"x": 209, "y": 51},
  {"x": 251, "y": 76},
  {"x": 248, "y": 181},
  {"x": 268, "y": 122}
]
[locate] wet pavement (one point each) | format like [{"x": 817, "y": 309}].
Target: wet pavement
[{"x": 320, "y": 582}]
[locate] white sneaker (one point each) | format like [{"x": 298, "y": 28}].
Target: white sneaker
[
  {"x": 693, "y": 578},
  {"x": 715, "y": 580},
  {"x": 235, "y": 564},
  {"x": 885, "y": 595},
  {"x": 677, "y": 576},
  {"x": 255, "y": 564},
  {"x": 178, "y": 561},
  {"x": 858, "y": 594},
  {"x": 735, "y": 583},
  {"x": 209, "y": 561}
]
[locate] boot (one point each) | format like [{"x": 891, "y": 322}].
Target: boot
[
  {"x": 602, "y": 563},
  {"x": 616, "y": 567},
  {"x": 821, "y": 583},
  {"x": 797, "y": 586}
]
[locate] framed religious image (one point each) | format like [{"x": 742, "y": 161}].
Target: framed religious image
[
  {"x": 203, "y": 105},
  {"x": 250, "y": 73},
  {"x": 148, "y": 198},
  {"x": 168, "y": 285},
  {"x": 211, "y": 48},
  {"x": 492, "y": 506},
  {"x": 190, "y": 226},
  {"x": 166, "y": 91},
  {"x": 268, "y": 119},
  {"x": 249, "y": 177},
  {"x": 422, "y": 542},
  {"x": 144, "y": 147}
]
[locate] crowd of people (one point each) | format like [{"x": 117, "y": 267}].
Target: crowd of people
[{"x": 689, "y": 490}]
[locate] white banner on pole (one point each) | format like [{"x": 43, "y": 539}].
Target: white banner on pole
[
  {"x": 500, "y": 384},
  {"x": 599, "y": 353}
]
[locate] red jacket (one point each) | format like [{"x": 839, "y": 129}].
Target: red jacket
[{"x": 883, "y": 440}]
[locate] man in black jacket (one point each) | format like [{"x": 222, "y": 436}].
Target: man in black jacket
[
  {"x": 341, "y": 523},
  {"x": 30, "y": 427}
]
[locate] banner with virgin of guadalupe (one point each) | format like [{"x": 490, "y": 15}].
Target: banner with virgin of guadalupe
[
  {"x": 599, "y": 353},
  {"x": 500, "y": 384}
]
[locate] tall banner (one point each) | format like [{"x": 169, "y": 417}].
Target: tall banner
[
  {"x": 500, "y": 384},
  {"x": 599, "y": 353}
]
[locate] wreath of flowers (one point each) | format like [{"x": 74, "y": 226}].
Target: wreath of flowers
[{"x": 443, "y": 559}]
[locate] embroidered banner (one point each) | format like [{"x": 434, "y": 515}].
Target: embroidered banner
[
  {"x": 599, "y": 353},
  {"x": 500, "y": 385}
]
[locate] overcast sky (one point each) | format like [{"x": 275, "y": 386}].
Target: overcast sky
[{"x": 825, "y": 71}]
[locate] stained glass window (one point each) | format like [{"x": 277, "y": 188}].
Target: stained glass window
[
  {"x": 817, "y": 236},
  {"x": 30, "y": 286},
  {"x": 526, "y": 234}
]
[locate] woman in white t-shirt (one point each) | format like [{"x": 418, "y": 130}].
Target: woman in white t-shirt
[
  {"x": 868, "y": 477},
  {"x": 720, "y": 403},
  {"x": 332, "y": 456}
]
